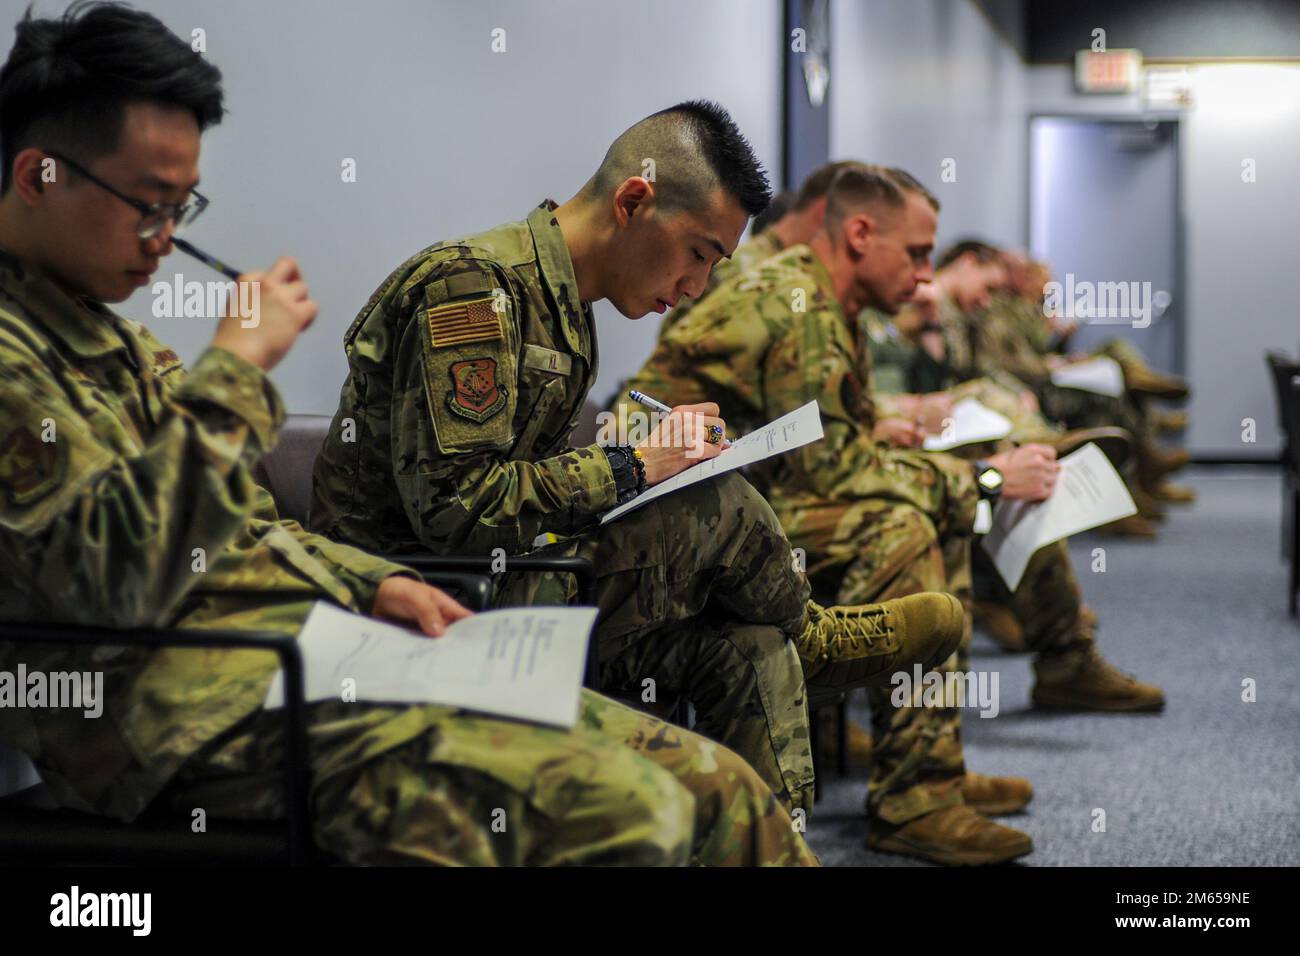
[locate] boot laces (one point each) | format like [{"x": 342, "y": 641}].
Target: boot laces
[{"x": 853, "y": 625}]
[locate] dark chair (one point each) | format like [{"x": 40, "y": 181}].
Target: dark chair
[{"x": 1286, "y": 384}]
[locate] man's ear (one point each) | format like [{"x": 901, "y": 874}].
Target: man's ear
[
  {"x": 859, "y": 230},
  {"x": 633, "y": 195},
  {"x": 32, "y": 170}
]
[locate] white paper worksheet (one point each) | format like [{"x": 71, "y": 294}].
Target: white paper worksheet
[
  {"x": 1089, "y": 492},
  {"x": 971, "y": 422},
  {"x": 1101, "y": 375},
  {"x": 524, "y": 663},
  {"x": 790, "y": 431}
]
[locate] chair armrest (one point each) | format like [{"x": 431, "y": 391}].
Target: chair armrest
[
  {"x": 580, "y": 568},
  {"x": 284, "y": 647},
  {"x": 476, "y": 589}
]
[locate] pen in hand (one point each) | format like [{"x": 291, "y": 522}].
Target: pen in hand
[
  {"x": 206, "y": 259},
  {"x": 659, "y": 406}
]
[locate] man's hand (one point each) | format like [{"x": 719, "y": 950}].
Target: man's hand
[
  {"x": 405, "y": 601},
  {"x": 899, "y": 431},
  {"x": 281, "y": 309},
  {"x": 1028, "y": 401},
  {"x": 1028, "y": 472},
  {"x": 933, "y": 410},
  {"x": 680, "y": 440}
]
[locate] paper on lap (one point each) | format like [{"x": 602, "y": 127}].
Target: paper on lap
[
  {"x": 522, "y": 663},
  {"x": 790, "y": 431},
  {"x": 971, "y": 421},
  {"x": 1100, "y": 375},
  {"x": 1088, "y": 493}
]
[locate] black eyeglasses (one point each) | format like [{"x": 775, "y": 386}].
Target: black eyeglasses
[{"x": 153, "y": 215}]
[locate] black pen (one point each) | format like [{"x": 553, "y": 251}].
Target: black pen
[{"x": 206, "y": 259}]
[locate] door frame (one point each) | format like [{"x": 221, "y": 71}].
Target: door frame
[{"x": 1180, "y": 231}]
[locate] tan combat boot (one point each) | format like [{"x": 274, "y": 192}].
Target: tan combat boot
[
  {"x": 995, "y": 796},
  {"x": 1144, "y": 381},
  {"x": 1154, "y": 464},
  {"x": 1134, "y": 526},
  {"x": 1087, "y": 681},
  {"x": 856, "y": 645},
  {"x": 1166, "y": 422},
  {"x": 1000, "y": 624},
  {"x": 956, "y": 836},
  {"x": 1148, "y": 507},
  {"x": 1174, "y": 494}
]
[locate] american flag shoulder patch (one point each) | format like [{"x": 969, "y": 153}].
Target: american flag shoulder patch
[{"x": 470, "y": 320}]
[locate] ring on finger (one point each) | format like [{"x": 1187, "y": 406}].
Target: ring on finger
[{"x": 715, "y": 435}]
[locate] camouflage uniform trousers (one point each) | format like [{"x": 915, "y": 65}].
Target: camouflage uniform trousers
[
  {"x": 425, "y": 784},
  {"x": 1077, "y": 408},
  {"x": 872, "y": 550},
  {"x": 699, "y": 593}
]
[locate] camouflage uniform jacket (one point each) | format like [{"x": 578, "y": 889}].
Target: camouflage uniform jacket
[
  {"x": 468, "y": 369},
  {"x": 126, "y": 500},
  {"x": 771, "y": 340}
]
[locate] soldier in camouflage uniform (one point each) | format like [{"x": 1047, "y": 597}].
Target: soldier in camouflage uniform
[
  {"x": 468, "y": 369},
  {"x": 795, "y": 226},
  {"x": 126, "y": 500},
  {"x": 983, "y": 339},
  {"x": 877, "y": 521}
]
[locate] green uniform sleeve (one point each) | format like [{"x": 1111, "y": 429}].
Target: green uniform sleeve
[
  {"x": 105, "y": 538},
  {"x": 359, "y": 571},
  {"x": 461, "y": 447},
  {"x": 814, "y": 362}
]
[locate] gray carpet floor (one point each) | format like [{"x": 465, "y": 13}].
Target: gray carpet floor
[{"x": 1211, "y": 781}]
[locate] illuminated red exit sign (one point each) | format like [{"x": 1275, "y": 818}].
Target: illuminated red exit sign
[{"x": 1115, "y": 71}]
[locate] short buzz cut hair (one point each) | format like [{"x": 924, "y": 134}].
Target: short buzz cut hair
[
  {"x": 68, "y": 79},
  {"x": 861, "y": 185},
  {"x": 696, "y": 148},
  {"x": 983, "y": 252},
  {"x": 818, "y": 183}
]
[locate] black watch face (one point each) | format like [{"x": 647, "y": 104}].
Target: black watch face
[{"x": 990, "y": 480}]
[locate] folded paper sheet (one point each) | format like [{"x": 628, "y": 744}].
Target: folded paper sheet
[
  {"x": 971, "y": 422},
  {"x": 799, "y": 427},
  {"x": 1089, "y": 492},
  {"x": 524, "y": 663},
  {"x": 1100, "y": 375}
]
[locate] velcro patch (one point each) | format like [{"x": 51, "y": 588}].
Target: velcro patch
[
  {"x": 476, "y": 394},
  {"x": 29, "y": 468},
  {"x": 473, "y": 320},
  {"x": 548, "y": 360}
]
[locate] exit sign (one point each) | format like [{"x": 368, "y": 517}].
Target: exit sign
[{"x": 1114, "y": 71}]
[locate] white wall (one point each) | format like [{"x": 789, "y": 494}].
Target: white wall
[
  {"x": 1242, "y": 280},
  {"x": 449, "y": 137},
  {"x": 915, "y": 83}
]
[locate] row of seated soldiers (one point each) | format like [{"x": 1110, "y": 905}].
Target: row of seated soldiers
[{"x": 802, "y": 311}]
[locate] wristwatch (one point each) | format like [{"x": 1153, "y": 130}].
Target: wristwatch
[
  {"x": 989, "y": 481},
  {"x": 628, "y": 469}
]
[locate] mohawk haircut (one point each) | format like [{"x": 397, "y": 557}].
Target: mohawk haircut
[{"x": 696, "y": 148}]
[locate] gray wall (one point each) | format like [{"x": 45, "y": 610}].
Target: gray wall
[
  {"x": 1242, "y": 283},
  {"x": 449, "y": 137},
  {"x": 916, "y": 83}
]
